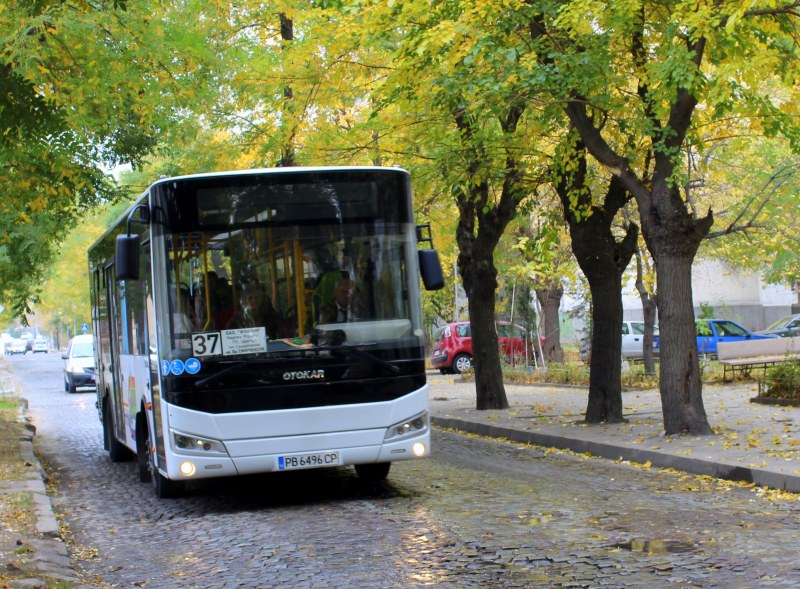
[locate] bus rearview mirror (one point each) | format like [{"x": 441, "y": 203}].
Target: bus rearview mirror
[
  {"x": 127, "y": 257},
  {"x": 430, "y": 268}
]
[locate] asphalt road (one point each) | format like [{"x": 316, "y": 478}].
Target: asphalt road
[{"x": 478, "y": 513}]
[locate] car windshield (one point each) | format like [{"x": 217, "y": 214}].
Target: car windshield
[
  {"x": 730, "y": 329},
  {"x": 780, "y": 324},
  {"x": 638, "y": 328},
  {"x": 82, "y": 350}
]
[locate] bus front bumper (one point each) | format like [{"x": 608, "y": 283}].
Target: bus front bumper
[{"x": 316, "y": 451}]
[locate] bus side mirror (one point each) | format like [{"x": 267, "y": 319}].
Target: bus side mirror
[
  {"x": 431, "y": 269},
  {"x": 127, "y": 257}
]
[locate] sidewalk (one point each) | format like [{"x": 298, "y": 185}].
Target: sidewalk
[
  {"x": 35, "y": 557},
  {"x": 752, "y": 442}
]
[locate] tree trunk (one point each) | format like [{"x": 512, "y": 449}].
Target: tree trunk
[
  {"x": 673, "y": 236},
  {"x": 480, "y": 282},
  {"x": 602, "y": 259},
  {"x": 649, "y": 302},
  {"x": 605, "y": 372},
  {"x": 287, "y": 148},
  {"x": 550, "y": 301},
  {"x": 481, "y": 223},
  {"x": 681, "y": 387}
]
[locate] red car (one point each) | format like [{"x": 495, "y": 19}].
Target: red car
[{"x": 452, "y": 345}]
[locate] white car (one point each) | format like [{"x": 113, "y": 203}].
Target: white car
[
  {"x": 39, "y": 345},
  {"x": 633, "y": 339},
  {"x": 17, "y": 346},
  {"x": 79, "y": 365}
]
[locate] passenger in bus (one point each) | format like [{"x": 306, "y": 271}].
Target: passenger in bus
[
  {"x": 182, "y": 323},
  {"x": 222, "y": 305},
  {"x": 255, "y": 310},
  {"x": 339, "y": 309},
  {"x": 213, "y": 294}
]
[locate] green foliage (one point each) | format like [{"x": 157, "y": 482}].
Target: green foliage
[
  {"x": 706, "y": 312},
  {"x": 50, "y": 180},
  {"x": 782, "y": 381},
  {"x": 375, "y": 82}
]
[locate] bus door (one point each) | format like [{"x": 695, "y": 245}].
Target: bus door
[{"x": 116, "y": 324}]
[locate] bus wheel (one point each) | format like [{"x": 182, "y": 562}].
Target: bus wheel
[
  {"x": 373, "y": 472},
  {"x": 117, "y": 451},
  {"x": 163, "y": 487},
  {"x": 142, "y": 456}
]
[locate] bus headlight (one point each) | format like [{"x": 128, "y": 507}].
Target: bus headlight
[
  {"x": 410, "y": 427},
  {"x": 192, "y": 444}
]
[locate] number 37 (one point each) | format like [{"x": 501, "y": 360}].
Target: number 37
[{"x": 206, "y": 344}]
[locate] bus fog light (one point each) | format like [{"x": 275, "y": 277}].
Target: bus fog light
[
  {"x": 418, "y": 449},
  {"x": 187, "y": 468}
]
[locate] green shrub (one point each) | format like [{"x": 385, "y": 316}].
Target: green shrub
[{"x": 782, "y": 381}]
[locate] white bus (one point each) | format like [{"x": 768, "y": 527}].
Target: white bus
[{"x": 263, "y": 320}]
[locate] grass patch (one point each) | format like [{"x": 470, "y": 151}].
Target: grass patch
[
  {"x": 577, "y": 374},
  {"x": 16, "y": 513},
  {"x": 17, "y": 508}
]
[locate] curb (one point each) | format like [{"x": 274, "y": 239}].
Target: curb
[
  {"x": 720, "y": 470},
  {"x": 51, "y": 556},
  {"x": 46, "y": 522}
]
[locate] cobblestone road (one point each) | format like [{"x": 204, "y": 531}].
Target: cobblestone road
[{"x": 479, "y": 513}]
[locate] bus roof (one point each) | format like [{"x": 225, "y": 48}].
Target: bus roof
[{"x": 286, "y": 170}]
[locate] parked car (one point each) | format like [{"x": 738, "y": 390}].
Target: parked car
[
  {"x": 17, "y": 346},
  {"x": 712, "y": 331},
  {"x": 79, "y": 365},
  {"x": 452, "y": 345},
  {"x": 39, "y": 345},
  {"x": 633, "y": 339},
  {"x": 786, "y": 327}
]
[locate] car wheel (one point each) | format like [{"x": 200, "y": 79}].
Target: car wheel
[
  {"x": 71, "y": 388},
  {"x": 462, "y": 363},
  {"x": 374, "y": 472}
]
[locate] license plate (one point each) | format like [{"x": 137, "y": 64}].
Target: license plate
[{"x": 310, "y": 460}]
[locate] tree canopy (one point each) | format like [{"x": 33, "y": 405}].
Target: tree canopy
[{"x": 668, "y": 98}]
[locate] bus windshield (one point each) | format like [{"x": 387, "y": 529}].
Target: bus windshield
[{"x": 259, "y": 267}]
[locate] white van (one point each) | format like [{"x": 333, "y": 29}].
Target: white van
[{"x": 79, "y": 365}]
